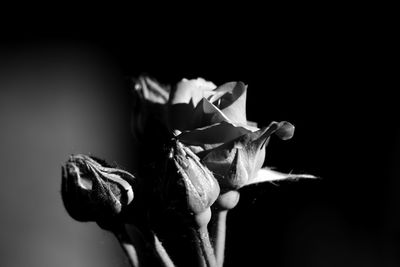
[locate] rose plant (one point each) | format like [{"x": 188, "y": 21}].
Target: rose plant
[{"x": 197, "y": 149}]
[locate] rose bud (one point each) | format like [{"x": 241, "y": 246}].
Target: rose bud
[
  {"x": 201, "y": 188},
  {"x": 194, "y": 183},
  {"x": 237, "y": 163},
  {"x": 149, "y": 99},
  {"x": 93, "y": 191}
]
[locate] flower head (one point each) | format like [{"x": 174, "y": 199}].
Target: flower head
[
  {"x": 94, "y": 191},
  {"x": 213, "y": 124}
]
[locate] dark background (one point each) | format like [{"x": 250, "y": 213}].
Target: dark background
[{"x": 64, "y": 91}]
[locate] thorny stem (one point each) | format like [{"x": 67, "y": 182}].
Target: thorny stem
[
  {"x": 127, "y": 246},
  {"x": 218, "y": 232}
]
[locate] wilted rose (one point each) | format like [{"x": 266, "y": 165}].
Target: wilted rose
[{"x": 93, "y": 191}]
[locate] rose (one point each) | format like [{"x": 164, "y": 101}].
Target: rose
[
  {"x": 228, "y": 144},
  {"x": 213, "y": 123},
  {"x": 93, "y": 191}
]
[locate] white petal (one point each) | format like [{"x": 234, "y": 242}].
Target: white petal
[
  {"x": 191, "y": 91},
  {"x": 213, "y": 135}
]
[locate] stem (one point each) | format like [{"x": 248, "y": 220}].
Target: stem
[
  {"x": 205, "y": 250},
  {"x": 165, "y": 259},
  {"x": 218, "y": 231},
  {"x": 225, "y": 202},
  {"x": 127, "y": 246},
  {"x": 202, "y": 240}
]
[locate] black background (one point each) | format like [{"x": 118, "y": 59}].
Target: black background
[{"x": 332, "y": 77}]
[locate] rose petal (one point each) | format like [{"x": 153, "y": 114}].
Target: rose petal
[
  {"x": 252, "y": 124},
  {"x": 191, "y": 91},
  {"x": 213, "y": 135},
  {"x": 184, "y": 99},
  {"x": 206, "y": 114},
  {"x": 268, "y": 175},
  {"x": 185, "y": 117},
  {"x": 230, "y": 98}
]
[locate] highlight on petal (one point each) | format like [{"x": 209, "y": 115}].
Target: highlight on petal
[
  {"x": 252, "y": 124},
  {"x": 184, "y": 100},
  {"x": 268, "y": 175},
  {"x": 230, "y": 98},
  {"x": 191, "y": 91}
]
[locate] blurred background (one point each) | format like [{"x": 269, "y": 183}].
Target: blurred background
[{"x": 64, "y": 92}]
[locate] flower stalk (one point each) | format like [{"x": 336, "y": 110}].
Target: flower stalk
[
  {"x": 218, "y": 233},
  {"x": 127, "y": 246},
  {"x": 225, "y": 202},
  {"x": 162, "y": 253},
  {"x": 204, "y": 248}
]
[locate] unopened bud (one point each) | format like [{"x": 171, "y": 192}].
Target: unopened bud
[
  {"x": 94, "y": 191},
  {"x": 201, "y": 187}
]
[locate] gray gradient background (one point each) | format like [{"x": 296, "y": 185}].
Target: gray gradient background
[{"x": 55, "y": 101}]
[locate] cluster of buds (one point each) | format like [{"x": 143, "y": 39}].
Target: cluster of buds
[{"x": 198, "y": 151}]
